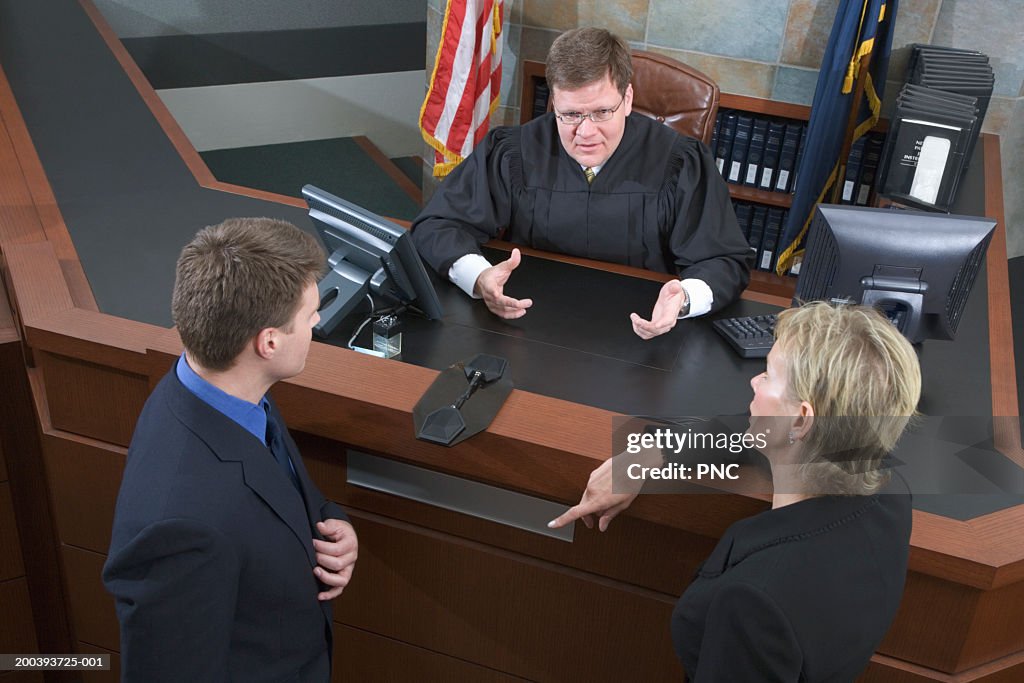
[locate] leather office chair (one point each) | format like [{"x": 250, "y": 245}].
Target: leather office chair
[{"x": 675, "y": 94}]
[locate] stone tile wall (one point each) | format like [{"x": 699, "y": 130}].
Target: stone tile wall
[{"x": 772, "y": 48}]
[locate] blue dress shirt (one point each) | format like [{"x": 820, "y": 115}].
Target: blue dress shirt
[{"x": 251, "y": 416}]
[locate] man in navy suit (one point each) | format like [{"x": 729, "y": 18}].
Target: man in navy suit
[{"x": 225, "y": 556}]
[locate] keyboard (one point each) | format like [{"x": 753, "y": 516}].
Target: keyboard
[{"x": 749, "y": 336}]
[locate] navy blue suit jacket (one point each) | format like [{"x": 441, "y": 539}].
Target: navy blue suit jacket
[{"x": 211, "y": 560}]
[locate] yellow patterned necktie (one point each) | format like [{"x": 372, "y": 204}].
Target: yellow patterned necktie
[{"x": 589, "y": 172}]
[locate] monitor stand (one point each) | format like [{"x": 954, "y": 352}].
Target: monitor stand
[
  {"x": 341, "y": 290},
  {"x": 901, "y": 300}
]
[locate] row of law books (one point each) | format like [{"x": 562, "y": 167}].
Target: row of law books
[
  {"x": 862, "y": 169},
  {"x": 762, "y": 225},
  {"x": 757, "y": 151},
  {"x": 541, "y": 95},
  {"x": 939, "y": 113},
  {"x": 764, "y": 153}
]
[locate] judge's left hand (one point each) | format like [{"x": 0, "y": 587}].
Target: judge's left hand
[
  {"x": 670, "y": 301},
  {"x": 335, "y": 556}
]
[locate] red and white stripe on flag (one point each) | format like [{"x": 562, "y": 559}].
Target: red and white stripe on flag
[{"x": 466, "y": 82}]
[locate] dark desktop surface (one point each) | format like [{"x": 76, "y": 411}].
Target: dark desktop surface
[
  {"x": 576, "y": 343},
  {"x": 130, "y": 204}
]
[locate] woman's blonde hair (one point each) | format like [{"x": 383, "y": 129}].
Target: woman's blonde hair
[{"x": 863, "y": 380}]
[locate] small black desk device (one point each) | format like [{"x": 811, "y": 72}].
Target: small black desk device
[
  {"x": 749, "y": 336},
  {"x": 446, "y": 423}
]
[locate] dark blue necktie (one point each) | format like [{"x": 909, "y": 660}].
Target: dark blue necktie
[{"x": 276, "y": 444}]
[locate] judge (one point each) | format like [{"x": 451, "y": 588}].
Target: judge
[{"x": 590, "y": 179}]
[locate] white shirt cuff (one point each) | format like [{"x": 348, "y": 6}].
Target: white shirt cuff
[
  {"x": 467, "y": 269},
  {"x": 701, "y": 297}
]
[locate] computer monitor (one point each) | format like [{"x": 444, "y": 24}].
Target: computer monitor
[
  {"x": 367, "y": 254},
  {"x": 917, "y": 267}
]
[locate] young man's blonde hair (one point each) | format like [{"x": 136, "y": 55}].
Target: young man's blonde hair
[
  {"x": 863, "y": 380},
  {"x": 582, "y": 56},
  {"x": 237, "y": 278}
]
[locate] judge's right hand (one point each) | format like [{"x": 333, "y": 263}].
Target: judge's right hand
[{"x": 490, "y": 285}]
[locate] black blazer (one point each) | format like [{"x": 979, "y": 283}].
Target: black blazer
[
  {"x": 211, "y": 560},
  {"x": 802, "y": 593}
]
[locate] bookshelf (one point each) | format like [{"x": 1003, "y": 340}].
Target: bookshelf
[
  {"x": 782, "y": 200},
  {"x": 533, "y": 81}
]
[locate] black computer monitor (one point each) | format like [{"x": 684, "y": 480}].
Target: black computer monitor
[
  {"x": 367, "y": 254},
  {"x": 917, "y": 267}
]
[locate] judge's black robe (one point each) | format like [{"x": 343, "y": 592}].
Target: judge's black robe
[{"x": 658, "y": 203}]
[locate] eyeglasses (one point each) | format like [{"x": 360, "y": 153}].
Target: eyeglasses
[{"x": 575, "y": 118}]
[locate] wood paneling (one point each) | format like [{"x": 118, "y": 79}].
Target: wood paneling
[
  {"x": 369, "y": 658},
  {"x": 92, "y": 609},
  {"x": 111, "y": 676},
  {"x": 954, "y": 628},
  {"x": 752, "y": 194},
  {"x": 758, "y": 105},
  {"x": 256, "y": 194},
  {"x": 533, "y": 72},
  {"x": 22, "y": 677},
  {"x": 932, "y": 624},
  {"x": 884, "y": 669},
  {"x": 92, "y": 400},
  {"x": 981, "y": 553},
  {"x": 8, "y": 326},
  {"x": 37, "y": 217},
  {"x": 632, "y": 550},
  {"x": 503, "y": 611},
  {"x": 19, "y": 437},
  {"x": 997, "y": 627},
  {"x": 84, "y": 480},
  {"x": 16, "y": 635},
  {"x": 35, "y": 281},
  {"x": 19, "y": 221},
  {"x": 11, "y": 565},
  {"x": 1004, "y": 372}
]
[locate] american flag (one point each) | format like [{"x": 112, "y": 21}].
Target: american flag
[{"x": 466, "y": 81}]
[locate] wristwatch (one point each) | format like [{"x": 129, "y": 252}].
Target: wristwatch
[{"x": 685, "y": 310}]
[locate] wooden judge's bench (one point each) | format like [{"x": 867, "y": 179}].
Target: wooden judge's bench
[{"x": 99, "y": 189}]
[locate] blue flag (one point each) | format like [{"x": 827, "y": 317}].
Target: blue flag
[{"x": 862, "y": 27}]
